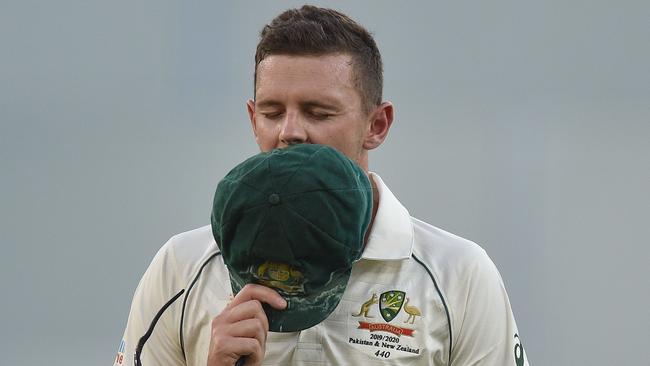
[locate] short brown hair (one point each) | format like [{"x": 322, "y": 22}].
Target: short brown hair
[{"x": 311, "y": 30}]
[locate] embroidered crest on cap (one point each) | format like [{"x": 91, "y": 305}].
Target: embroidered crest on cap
[{"x": 280, "y": 276}]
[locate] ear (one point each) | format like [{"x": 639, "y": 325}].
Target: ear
[
  {"x": 250, "y": 106},
  {"x": 381, "y": 120}
]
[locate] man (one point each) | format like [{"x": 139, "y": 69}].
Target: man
[{"x": 417, "y": 296}]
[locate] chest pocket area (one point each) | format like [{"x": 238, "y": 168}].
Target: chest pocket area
[{"x": 395, "y": 324}]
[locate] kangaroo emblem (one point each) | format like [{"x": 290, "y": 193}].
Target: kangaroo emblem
[{"x": 365, "y": 307}]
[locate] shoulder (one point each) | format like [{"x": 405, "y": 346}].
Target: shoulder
[
  {"x": 445, "y": 252},
  {"x": 468, "y": 281},
  {"x": 156, "y": 298},
  {"x": 182, "y": 255},
  {"x": 455, "y": 263}
]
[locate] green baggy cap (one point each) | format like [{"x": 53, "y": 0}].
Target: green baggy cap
[{"x": 293, "y": 219}]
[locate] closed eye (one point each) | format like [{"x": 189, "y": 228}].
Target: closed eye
[
  {"x": 272, "y": 115},
  {"x": 320, "y": 115}
]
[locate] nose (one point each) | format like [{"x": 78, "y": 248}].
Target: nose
[{"x": 292, "y": 131}]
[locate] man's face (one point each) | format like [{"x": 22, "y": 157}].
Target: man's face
[{"x": 310, "y": 99}]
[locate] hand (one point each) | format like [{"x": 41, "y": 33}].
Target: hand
[{"x": 241, "y": 328}]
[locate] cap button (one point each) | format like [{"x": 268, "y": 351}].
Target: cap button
[{"x": 274, "y": 198}]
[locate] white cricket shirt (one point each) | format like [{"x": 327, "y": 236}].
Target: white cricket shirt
[{"x": 418, "y": 296}]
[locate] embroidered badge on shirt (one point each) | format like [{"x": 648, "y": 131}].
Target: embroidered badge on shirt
[
  {"x": 386, "y": 339},
  {"x": 391, "y": 303}
]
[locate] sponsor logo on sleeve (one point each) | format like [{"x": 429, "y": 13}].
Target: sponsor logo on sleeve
[
  {"x": 119, "y": 359},
  {"x": 519, "y": 351}
]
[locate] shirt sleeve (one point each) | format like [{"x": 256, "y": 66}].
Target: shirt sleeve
[
  {"x": 156, "y": 288},
  {"x": 487, "y": 332}
]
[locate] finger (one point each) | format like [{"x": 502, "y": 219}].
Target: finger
[
  {"x": 249, "y": 310},
  {"x": 260, "y": 293},
  {"x": 226, "y": 349},
  {"x": 249, "y": 328},
  {"x": 252, "y": 350}
]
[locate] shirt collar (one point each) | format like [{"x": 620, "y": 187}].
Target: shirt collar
[{"x": 391, "y": 235}]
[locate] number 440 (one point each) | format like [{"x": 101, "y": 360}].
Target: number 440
[{"x": 384, "y": 354}]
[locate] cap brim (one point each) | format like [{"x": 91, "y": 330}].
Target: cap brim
[{"x": 302, "y": 312}]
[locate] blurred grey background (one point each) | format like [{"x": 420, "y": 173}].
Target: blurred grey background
[{"x": 521, "y": 125}]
